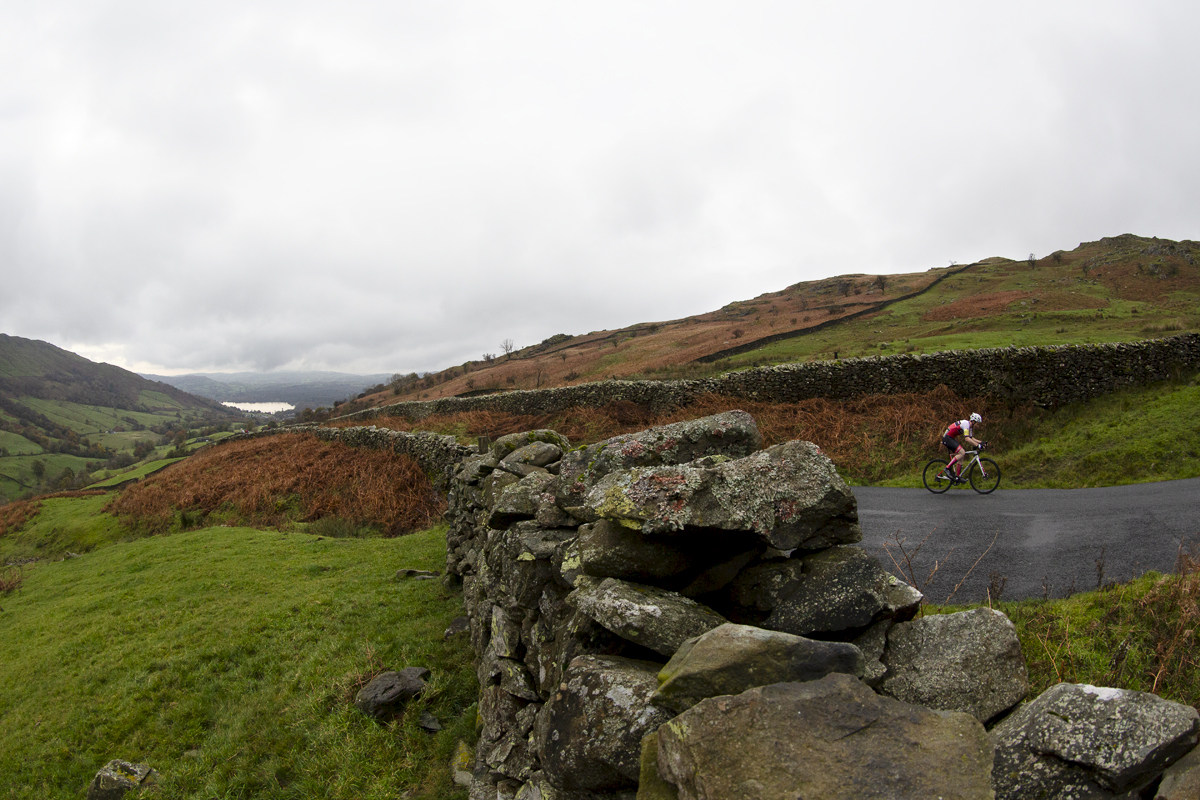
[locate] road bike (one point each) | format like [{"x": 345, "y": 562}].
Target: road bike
[{"x": 982, "y": 473}]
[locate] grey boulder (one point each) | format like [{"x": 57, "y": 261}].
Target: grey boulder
[
  {"x": 970, "y": 662},
  {"x": 386, "y": 693},
  {"x": 117, "y": 777},
  {"x": 831, "y": 738},
  {"x": 733, "y": 434},
  {"x": 1075, "y": 740}
]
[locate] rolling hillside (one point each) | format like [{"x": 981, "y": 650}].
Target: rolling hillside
[
  {"x": 1119, "y": 288},
  {"x": 63, "y": 416}
]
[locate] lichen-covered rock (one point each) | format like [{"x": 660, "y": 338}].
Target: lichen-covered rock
[
  {"x": 521, "y": 500},
  {"x": 732, "y": 658},
  {"x": 506, "y": 445},
  {"x": 831, "y": 738},
  {"x": 1075, "y": 740},
  {"x": 970, "y": 662},
  {"x": 733, "y": 434},
  {"x": 534, "y": 454},
  {"x": 589, "y": 734},
  {"x": 787, "y": 496},
  {"x": 656, "y": 618},
  {"x": 843, "y": 588},
  {"x": 117, "y": 777}
]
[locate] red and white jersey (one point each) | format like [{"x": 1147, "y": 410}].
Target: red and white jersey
[{"x": 963, "y": 426}]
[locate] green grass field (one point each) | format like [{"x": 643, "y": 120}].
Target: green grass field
[{"x": 227, "y": 659}]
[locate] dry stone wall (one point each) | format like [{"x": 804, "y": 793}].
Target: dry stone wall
[
  {"x": 679, "y": 613},
  {"x": 1049, "y": 376}
]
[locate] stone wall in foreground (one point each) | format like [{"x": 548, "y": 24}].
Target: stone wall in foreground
[
  {"x": 1047, "y": 376},
  {"x": 679, "y": 613}
]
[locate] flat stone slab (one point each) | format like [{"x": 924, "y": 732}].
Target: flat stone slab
[{"x": 733, "y": 658}]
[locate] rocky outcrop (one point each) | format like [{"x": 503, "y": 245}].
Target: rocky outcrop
[{"x": 680, "y": 613}]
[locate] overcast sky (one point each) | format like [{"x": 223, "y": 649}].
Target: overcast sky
[{"x": 399, "y": 186}]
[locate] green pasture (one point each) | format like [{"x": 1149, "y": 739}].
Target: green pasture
[
  {"x": 17, "y": 445},
  {"x": 228, "y": 659},
  {"x": 133, "y": 473},
  {"x": 16, "y": 472}
]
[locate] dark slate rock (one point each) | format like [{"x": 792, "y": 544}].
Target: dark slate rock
[{"x": 843, "y": 588}]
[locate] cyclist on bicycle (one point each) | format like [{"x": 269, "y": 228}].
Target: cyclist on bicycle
[{"x": 963, "y": 428}]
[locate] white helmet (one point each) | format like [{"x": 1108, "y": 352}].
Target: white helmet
[{"x": 976, "y": 418}]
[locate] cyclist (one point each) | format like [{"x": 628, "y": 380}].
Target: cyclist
[{"x": 963, "y": 428}]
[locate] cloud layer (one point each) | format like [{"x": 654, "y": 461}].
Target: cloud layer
[{"x": 377, "y": 187}]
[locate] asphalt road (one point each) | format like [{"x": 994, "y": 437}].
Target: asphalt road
[{"x": 1042, "y": 541}]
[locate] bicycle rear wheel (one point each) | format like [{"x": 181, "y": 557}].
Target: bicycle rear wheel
[
  {"x": 984, "y": 476},
  {"x": 934, "y": 477}
]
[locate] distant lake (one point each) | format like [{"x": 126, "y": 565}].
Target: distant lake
[{"x": 265, "y": 408}]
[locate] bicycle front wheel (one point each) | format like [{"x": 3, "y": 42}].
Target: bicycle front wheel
[
  {"x": 985, "y": 476},
  {"x": 935, "y": 479}
]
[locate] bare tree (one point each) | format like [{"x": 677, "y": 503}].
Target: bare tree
[
  {"x": 881, "y": 282},
  {"x": 1032, "y": 261},
  {"x": 507, "y": 347}
]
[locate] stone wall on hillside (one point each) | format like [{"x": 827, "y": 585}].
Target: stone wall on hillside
[{"x": 1048, "y": 376}]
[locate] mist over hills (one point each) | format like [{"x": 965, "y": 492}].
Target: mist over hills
[{"x": 299, "y": 388}]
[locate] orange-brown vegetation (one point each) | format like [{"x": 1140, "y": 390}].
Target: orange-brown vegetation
[
  {"x": 14, "y": 515},
  {"x": 275, "y": 480},
  {"x": 859, "y": 435}
]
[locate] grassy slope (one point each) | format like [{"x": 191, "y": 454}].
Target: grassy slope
[{"x": 227, "y": 658}]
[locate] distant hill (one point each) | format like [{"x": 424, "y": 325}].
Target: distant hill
[
  {"x": 63, "y": 416},
  {"x": 301, "y": 389},
  {"x": 35, "y": 369}
]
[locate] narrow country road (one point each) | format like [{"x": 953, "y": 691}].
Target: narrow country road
[{"x": 1043, "y": 541}]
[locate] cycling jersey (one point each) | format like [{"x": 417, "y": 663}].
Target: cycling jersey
[{"x": 963, "y": 427}]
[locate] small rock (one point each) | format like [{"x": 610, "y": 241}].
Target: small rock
[
  {"x": 405, "y": 574},
  {"x": 429, "y": 722},
  {"x": 117, "y": 777},
  {"x": 387, "y": 692}
]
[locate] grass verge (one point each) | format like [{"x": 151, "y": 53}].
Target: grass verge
[
  {"x": 227, "y": 659},
  {"x": 1139, "y": 635}
]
